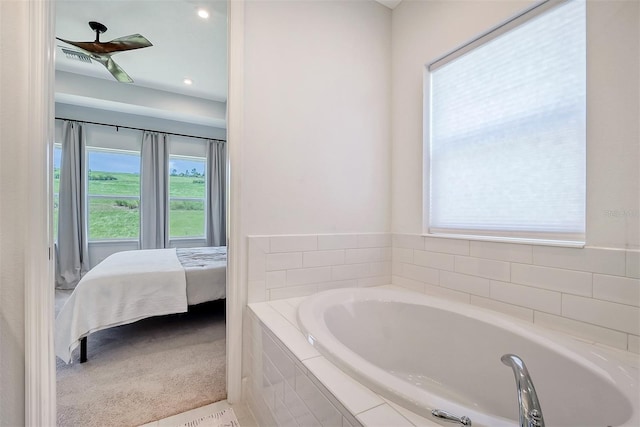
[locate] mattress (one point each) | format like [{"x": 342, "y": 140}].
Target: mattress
[{"x": 206, "y": 273}]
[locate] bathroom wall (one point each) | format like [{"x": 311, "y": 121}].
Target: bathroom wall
[
  {"x": 316, "y": 147},
  {"x": 299, "y": 265},
  {"x": 592, "y": 292},
  {"x": 313, "y": 156}
]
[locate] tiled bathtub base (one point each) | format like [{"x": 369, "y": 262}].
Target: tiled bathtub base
[{"x": 291, "y": 384}]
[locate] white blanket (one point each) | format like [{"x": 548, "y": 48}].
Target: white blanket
[{"x": 132, "y": 285}]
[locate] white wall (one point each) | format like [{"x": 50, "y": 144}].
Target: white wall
[
  {"x": 309, "y": 101},
  {"x": 111, "y": 95},
  {"x": 316, "y": 151},
  {"x": 14, "y": 202},
  {"x": 83, "y": 113},
  {"x": 425, "y": 30}
]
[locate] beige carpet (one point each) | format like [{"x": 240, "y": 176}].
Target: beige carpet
[{"x": 146, "y": 371}]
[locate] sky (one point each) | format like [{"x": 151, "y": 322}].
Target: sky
[{"x": 128, "y": 163}]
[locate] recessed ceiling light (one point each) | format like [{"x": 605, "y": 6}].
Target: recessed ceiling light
[
  {"x": 203, "y": 13},
  {"x": 188, "y": 82}
]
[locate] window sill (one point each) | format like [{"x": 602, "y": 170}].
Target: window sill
[
  {"x": 111, "y": 241},
  {"x": 514, "y": 240}
]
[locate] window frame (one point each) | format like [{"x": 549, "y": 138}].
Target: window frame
[{"x": 535, "y": 238}]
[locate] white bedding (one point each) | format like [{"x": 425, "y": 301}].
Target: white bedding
[
  {"x": 206, "y": 270},
  {"x": 125, "y": 287}
]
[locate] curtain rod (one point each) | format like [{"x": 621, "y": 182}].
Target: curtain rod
[{"x": 148, "y": 130}]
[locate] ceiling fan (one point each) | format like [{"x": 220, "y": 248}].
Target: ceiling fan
[{"x": 102, "y": 51}]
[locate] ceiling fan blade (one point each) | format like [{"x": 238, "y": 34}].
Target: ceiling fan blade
[
  {"x": 134, "y": 41},
  {"x": 91, "y": 47},
  {"x": 113, "y": 68}
]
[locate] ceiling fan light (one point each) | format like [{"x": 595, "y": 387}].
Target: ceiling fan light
[{"x": 203, "y": 13}]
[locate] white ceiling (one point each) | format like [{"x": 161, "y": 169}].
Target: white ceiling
[
  {"x": 184, "y": 45},
  {"x": 391, "y": 4}
]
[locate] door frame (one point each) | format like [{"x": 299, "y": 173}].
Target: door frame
[{"x": 40, "y": 372}]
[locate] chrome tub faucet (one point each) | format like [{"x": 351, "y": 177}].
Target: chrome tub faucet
[{"x": 530, "y": 410}]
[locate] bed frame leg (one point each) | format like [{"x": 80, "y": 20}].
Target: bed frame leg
[{"x": 83, "y": 350}]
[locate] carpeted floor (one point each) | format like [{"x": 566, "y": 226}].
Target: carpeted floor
[{"x": 146, "y": 371}]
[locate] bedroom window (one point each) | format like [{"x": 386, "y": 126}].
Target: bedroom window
[
  {"x": 113, "y": 184},
  {"x": 187, "y": 189},
  {"x": 505, "y": 131}
]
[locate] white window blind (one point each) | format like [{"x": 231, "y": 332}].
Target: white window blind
[{"x": 507, "y": 136}]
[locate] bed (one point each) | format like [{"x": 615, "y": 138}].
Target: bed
[{"x": 133, "y": 285}]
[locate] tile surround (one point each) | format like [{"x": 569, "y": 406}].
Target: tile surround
[
  {"x": 290, "y": 384},
  {"x": 287, "y": 382},
  {"x": 296, "y": 265},
  {"x": 592, "y": 293}
]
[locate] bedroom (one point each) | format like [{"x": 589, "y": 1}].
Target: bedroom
[{"x": 179, "y": 97}]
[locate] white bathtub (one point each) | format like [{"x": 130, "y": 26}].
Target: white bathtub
[{"x": 425, "y": 353}]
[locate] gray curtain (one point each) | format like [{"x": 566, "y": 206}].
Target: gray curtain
[
  {"x": 154, "y": 206},
  {"x": 216, "y": 194},
  {"x": 72, "y": 255}
]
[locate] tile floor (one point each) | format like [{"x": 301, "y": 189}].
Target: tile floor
[{"x": 245, "y": 418}]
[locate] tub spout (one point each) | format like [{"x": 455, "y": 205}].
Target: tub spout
[{"x": 530, "y": 411}]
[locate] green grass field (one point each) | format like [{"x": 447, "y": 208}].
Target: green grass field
[{"x": 114, "y": 218}]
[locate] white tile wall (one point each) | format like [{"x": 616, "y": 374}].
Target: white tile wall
[
  {"x": 593, "y": 293},
  {"x": 502, "y": 251},
  {"x": 461, "y": 282},
  {"x": 490, "y": 269},
  {"x": 290, "y": 384},
  {"x": 525, "y": 296},
  {"x": 597, "y": 260},
  {"x": 430, "y": 259},
  {"x": 619, "y": 317},
  {"x": 298, "y": 265},
  {"x": 624, "y": 290},
  {"x": 633, "y": 264},
  {"x": 555, "y": 279}
]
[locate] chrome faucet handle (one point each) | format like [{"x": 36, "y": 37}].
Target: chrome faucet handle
[
  {"x": 446, "y": 416},
  {"x": 535, "y": 418}
]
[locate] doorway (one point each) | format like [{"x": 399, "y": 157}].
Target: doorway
[{"x": 38, "y": 339}]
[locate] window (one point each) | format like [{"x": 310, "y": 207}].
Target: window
[
  {"x": 113, "y": 184},
  {"x": 187, "y": 189},
  {"x": 505, "y": 140}
]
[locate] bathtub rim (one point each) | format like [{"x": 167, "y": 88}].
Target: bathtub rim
[{"x": 587, "y": 354}]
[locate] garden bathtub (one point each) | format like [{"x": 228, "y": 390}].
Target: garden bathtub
[{"x": 427, "y": 353}]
